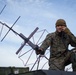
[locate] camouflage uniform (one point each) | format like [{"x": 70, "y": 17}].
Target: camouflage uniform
[{"x": 60, "y": 56}]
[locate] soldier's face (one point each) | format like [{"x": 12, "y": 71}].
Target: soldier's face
[{"x": 59, "y": 28}]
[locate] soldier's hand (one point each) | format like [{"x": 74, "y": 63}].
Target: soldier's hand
[
  {"x": 66, "y": 30},
  {"x": 39, "y": 51}
]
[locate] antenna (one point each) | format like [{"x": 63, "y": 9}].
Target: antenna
[
  {"x": 27, "y": 40},
  {"x": 1, "y": 30},
  {"x": 10, "y": 28},
  {"x": 2, "y": 9}
]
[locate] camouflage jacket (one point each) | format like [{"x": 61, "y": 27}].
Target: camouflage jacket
[{"x": 57, "y": 44}]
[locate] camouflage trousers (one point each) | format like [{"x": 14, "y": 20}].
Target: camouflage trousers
[{"x": 59, "y": 63}]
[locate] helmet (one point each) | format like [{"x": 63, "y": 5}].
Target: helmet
[{"x": 60, "y": 22}]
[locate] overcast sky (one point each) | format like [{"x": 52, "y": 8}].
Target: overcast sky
[{"x": 34, "y": 13}]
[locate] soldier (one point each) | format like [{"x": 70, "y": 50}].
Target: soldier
[{"x": 58, "y": 42}]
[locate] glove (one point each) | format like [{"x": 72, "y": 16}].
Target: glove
[
  {"x": 39, "y": 51},
  {"x": 67, "y": 31}
]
